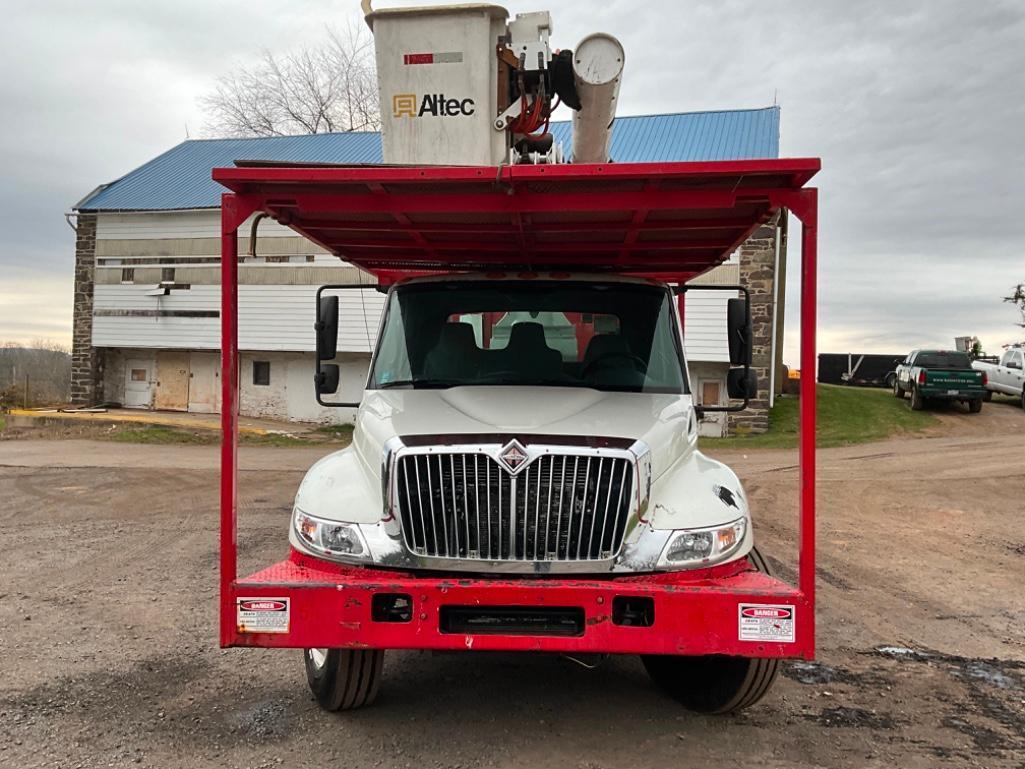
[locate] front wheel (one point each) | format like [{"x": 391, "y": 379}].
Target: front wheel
[
  {"x": 344, "y": 679},
  {"x": 898, "y": 392},
  {"x": 714, "y": 683},
  {"x": 975, "y": 406}
]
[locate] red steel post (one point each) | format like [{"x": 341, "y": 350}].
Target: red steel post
[
  {"x": 229, "y": 414},
  {"x": 809, "y": 254}
]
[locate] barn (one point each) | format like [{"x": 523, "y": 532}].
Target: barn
[{"x": 146, "y": 305}]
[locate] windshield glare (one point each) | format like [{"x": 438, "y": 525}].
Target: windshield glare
[{"x": 606, "y": 336}]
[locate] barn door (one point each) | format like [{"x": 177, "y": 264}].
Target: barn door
[
  {"x": 138, "y": 383},
  {"x": 203, "y": 380},
  {"x": 172, "y": 381}
]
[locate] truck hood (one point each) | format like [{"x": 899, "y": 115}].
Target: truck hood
[
  {"x": 688, "y": 489},
  {"x": 666, "y": 423}
]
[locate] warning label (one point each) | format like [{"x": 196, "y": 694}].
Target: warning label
[
  {"x": 766, "y": 622},
  {"x": 262, "y": 615}
]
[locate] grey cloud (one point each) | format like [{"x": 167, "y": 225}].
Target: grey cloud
[{"x": 916, "y": 108}]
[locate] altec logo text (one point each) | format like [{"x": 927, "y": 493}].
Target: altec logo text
[{"x": 434, "y": 104}]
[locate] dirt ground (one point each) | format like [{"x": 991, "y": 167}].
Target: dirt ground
[{"x": 108, "y": 650}]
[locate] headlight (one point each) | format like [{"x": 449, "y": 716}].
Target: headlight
[
  {"x": 329, "y": 537},
  {"x": 702, "y": 547}
]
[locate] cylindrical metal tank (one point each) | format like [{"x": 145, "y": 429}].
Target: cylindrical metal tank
[{"x": 597, "y": 70}]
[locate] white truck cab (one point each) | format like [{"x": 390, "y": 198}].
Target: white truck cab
[
  {"x": 1008, "y": 376},
  {"x": 525, "y": 424}
]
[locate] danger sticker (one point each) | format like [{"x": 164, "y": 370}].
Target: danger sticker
[
  {"x": 262, "y": 615},
  {"x": 766, "y": 622}
]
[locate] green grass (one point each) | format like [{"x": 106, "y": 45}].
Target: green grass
[
  {"x": 336, "y": 432},
  {"x": 846, "y": 415},
  {"x": 160, "y": 434},
  {"x": 164, "y": 434}
]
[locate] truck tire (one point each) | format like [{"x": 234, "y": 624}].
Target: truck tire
[
  {"x": 714, "y": 683},
  {"x": 897, "y": 391},
  {"x": 344, "y": 679},
  {"x": 975, "y": 406},
  {"x": 988, "y": 396},
  {"x": 917, "y": 401},
  {"x": 891, "y": 381}
]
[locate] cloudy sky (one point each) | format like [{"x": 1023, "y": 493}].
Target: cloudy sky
[{"x": 916, "y": 107}]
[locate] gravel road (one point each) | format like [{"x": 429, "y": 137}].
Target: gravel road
[{"x": 108, "y": 652}]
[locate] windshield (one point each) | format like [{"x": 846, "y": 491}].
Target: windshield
[{"x": 607, "y": 336}]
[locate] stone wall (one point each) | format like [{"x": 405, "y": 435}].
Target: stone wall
[
  {"x": 757, "y": 273},
  {"x": 86, "y": 365}
]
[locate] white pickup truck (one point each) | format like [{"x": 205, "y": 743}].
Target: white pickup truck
[{"x": 1008, "y": 376}]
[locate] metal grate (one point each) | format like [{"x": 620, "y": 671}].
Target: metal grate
[{"x": 561, "y": 507}]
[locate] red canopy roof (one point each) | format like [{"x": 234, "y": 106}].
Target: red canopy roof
[{"x": 665, "y": 220}]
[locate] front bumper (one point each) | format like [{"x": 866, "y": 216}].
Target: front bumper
[{"x": 731, "y": 609}]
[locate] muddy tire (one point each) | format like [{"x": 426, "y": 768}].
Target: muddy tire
[
  {"x": 897, "y": 391},
  {"x": 344, "y": 679},
  {"x": 988, "y": 396},
  {"x": 917, "y": 401},
  {"x": 714, "y": 683},
  {"x": 975, "y": 406}
]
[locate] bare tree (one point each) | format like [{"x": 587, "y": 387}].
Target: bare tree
[
  {"x": 323, "y": 89},
  {"x": 1017, "y": 298},
  {"x": 34, "y": 375}
]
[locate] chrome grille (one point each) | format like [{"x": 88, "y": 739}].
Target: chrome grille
[{"x": 560, "y": 507}]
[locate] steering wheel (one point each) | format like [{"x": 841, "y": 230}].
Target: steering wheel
[{"x": 603, "y": 360}]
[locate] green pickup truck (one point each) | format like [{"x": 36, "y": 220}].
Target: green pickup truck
[{"x": 934, "y": 375}]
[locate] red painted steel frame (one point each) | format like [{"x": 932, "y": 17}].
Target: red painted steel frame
[{"x": 696, "y": 612}]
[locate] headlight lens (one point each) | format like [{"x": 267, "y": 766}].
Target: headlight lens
[
  {"x": 329, "y": 537},
  {"x": 703, "y": 547}
]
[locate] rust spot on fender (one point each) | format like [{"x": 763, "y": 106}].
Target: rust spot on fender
[
  {"x": 598, "y": 619},
  {"x": 352, "y": 602}
]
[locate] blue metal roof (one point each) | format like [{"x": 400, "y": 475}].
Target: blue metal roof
[{"x": 180, "y": 177}]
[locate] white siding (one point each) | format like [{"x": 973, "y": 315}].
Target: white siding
[
  {"x": 178, "y": 224},
  {"x": 704, "y": 325},
  {"x": 270, "y": 318}
]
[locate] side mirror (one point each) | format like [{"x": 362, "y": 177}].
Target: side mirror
[
  {"x": 326, "y": 380},
  {"x": 738, "y": 330},
  {"x": 742, "y": 384},
  {"x": 327, "y": 328}
]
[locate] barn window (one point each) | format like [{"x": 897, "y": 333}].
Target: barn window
[
  {"x": 710, "y": 393},
  {"x": 167, "y": 275},
  {"x": 127, "y": 274},
  {"x": 261, "y": 372}
]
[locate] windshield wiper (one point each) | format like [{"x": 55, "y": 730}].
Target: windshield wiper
[{"x": 424, "y": 382}]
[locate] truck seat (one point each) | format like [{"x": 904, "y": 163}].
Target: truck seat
[
  {"x": 528, "y": 354},
  {"x": 455, "y": 356}
]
